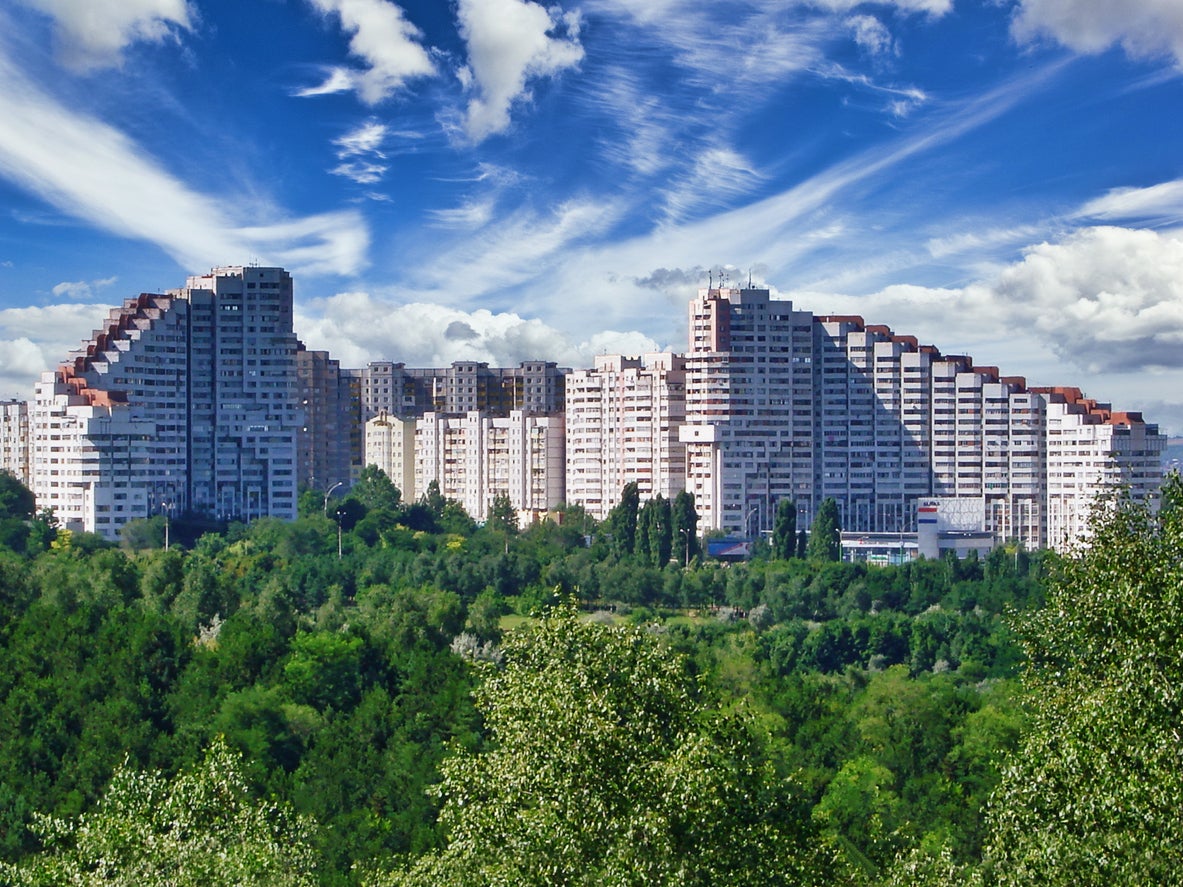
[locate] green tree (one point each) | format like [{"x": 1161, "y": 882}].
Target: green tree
[
  {"x": 503, "y": 517},
  {"x": 1093, "y": 794},
  {"x": 608, "y": 764},
  {"x": 684, "y": 520},
  {"x": 784, "y": 530},
  {"x": 375, "y": 490},
  {"x": 201, "y": 828},
  {"x": 825, "y": 534},
  {"x": 16, "y": 500},
  {"x": 622, "y": 521}
]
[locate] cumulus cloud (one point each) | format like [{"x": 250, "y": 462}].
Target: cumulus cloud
[
  {"x": 89, "y": 170},
  {"x": 1143, "y": 28},
  {"x": 927, "y": 7},
  {"x": 33, "y": 340},
  {"x": 93, "y": 33},
  {"x": 509, "y": 43},
  {"x": 358, "y": 327},
  {"x": 80, "y": 289},
  {"x": 1106, "y": 300},
  {"x": 386, "y": 43}
]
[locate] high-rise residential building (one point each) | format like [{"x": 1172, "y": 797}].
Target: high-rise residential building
[
  {"x": 899, "y": 421},
  {"x": 390, "y": 445},
  {"x": 330, "y": 448},
  {"x": 534, "y": 386},
  {"x": 782, "y": 404},
  {"x": 1091, "y": 451},
  {"x": 623, "y": 420},
  {"x": 749, "y": 431},
  {"x": 182, "y": 401},
  {"x": 477, "y": 457},
  {"x": 14, "y": 438}
]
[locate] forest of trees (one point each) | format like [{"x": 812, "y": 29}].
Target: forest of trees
[{"x": 570, "y": 703}]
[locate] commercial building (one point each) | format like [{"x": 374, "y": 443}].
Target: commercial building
[{"x": 182, "y": 401}]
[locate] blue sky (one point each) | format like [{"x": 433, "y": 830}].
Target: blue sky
[{"x": 502, "y": 180}]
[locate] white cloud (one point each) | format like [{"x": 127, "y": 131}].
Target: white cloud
[
  {"x": 360, "y": 151},
  {"x": 91, "y": 171},
  {"x": 358, "y": 327},
  {"x": 384, "y": 40},
  {"x": 1156, "y": 203},
  {"x": 509, "y": 42},
  {"x": 718, "y": 176},
  {"x": 872, "y": 35},
  {"x": 927, "y": 7},
  {"x": 365, "y": 139},
  {"x": 81, "y": 289},
  {"x": 93, "y": 33},
  {"x": 472, "y": 215},
  {"x": 1143, "y": 28},
  {"x": 33, "y": 340}
]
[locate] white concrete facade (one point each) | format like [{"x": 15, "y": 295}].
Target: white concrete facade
[
  {"x": 623, "y": 420},
  {"x": 749, "y": 431},
  {"x": 184, "y": 401},
  {"x": 477, "y": 457},
  {"x": 14, "y": 439},
  {"x": 390, "y": 445}
]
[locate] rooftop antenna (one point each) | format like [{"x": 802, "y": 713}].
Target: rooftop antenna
[
  {"x": 710, "y": 278},
  {"x": 749, "y": 278}
]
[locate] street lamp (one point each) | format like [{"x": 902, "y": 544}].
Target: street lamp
[
  {"x": 747, "y": 521},
  {"x": 340, "y": 516},
  {"x": 685, "y": 531},
  {"x": 166, "y": 507},
  {"x": 328, "y": 493}
]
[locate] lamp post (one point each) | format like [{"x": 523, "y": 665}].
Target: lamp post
[
  {"x": 340, "y": 515},
  {"x": 685, "y": 531},
  {"x": 166, "y": 507},
  {"x": 328, "y": 493}
]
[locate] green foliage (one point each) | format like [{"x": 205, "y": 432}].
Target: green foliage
[
  {"x": 608, "y": 765},
  {"x": 621, "y": 524},
  {"x": 201, "y": 828},
  {"x": 16, "y": 500},
  {"x": 503, "y": 517},
  {"x": 1094, "y": 793},
  {"x": 825, "y": 534},
  {"x": 784, "y": 530},
  {"x": 685, "y": 523},
  {"x": 375, "y": 490}
]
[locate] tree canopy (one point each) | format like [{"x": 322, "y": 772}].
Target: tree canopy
[{"x": 608, "y": 763}]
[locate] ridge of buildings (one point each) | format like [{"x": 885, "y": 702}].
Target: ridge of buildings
[{"x": 202, "y": 400}]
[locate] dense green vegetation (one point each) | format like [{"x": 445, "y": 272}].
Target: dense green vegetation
[{"x": 426, "y": 707}]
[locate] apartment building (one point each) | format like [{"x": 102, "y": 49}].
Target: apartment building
[
  {"x": 477, "y": 457},
  {"x": 750, "y": 429},
  {"x": 14, "y": 438},
  {"x": 1091, "y": 451},
  {"x": 535, "y": 386},
  {"x": 623, "y": 420},
  {"x": 181, "y": 401},
  {"x": 390, "y": 445},
  {"x": 899, "y": 421},
  {"x": 330, "y": 440}
]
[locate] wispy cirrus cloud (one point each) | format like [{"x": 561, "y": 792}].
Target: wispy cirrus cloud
[
  {"x": 94, "y": 33},
  {"x": 1161, "y": 203},
  {"x": 510, "y": 43},
  {"x": 90, "y": 170},
  {"x": 360, "y": 153},
  {"x": 384, "y": 41}
]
